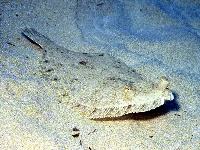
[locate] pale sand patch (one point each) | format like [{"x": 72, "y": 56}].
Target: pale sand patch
[{"x": 168, "y": 127}]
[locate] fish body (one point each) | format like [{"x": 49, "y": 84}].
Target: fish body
[{"x": 96, "y": 85}]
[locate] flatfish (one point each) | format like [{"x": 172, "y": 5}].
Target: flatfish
[{"x": 96, "y": 85}]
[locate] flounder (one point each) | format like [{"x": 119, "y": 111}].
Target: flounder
[{"x": 97, "y": 85}]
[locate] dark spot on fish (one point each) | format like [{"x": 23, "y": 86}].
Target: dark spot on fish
[
  {"x": 132, "y": 71},
  {"x": 59, "y": 101},
  {"x": 49, "y": 70},
  {"x": 101, "y": 54},
  {"x": 76, "y": 132},
  {"x": 55, "y": 79},
  {"x": 129, "y": 106},
  {"x": 83, "y": 63},
  {"x": 9, "y": 43},
  {"x": 92, "y": 131},
  {"x": 46, "y": 61},
  {"x": 177, "y": 114},
  {"x": 75, "y": 129},
  {"x": 64, "y": 94},
  {"x": 100, "y": 4},
  {"x": 76, "y": 135},
  {"x": 80, "y": 142},
  {"x": 116, "y": 66},
  {"x": 60, "y": 64},
  {"x": 73, "y": 80}
]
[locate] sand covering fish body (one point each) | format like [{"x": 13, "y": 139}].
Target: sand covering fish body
[{"x": 96, "y": 85}]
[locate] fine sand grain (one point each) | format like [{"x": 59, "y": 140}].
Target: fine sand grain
[{"x": 155, "y": 38}]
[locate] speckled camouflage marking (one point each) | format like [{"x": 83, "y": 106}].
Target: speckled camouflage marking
[{"x": 97, "y": 85}]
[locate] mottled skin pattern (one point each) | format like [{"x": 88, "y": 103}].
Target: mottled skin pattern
[{"x": 97, "y": 85}]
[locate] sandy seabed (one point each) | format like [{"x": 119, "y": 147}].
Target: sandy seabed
[{"x": 155, "y": 38}]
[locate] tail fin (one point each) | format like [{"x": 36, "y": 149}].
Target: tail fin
[{"x": 36, "y": 38}]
